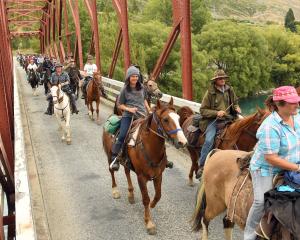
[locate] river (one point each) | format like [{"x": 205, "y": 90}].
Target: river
[{"x": 249, "y": 104}]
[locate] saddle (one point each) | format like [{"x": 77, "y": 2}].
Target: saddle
[
  {"x": 130, "y": 140},
  {"x": 194, "y": 132}
]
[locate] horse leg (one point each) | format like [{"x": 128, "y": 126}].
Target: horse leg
[
  {"x": 228, "y": 227},
  {"x": 157, "y": 186},
  {"x": 68, "y": 129},
  {"x": 130, "y": 186},
  {"x": 97, "y": 111},
  {"x": 61, "y": 127},
  {"x": 194, "y": 166},
  {"x": 92, "y": 111},
  {"x": 115, "y": 191},
  {"x": 150, "y": 226}
]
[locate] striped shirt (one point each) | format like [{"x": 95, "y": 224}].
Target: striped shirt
[{"x": 276, "y": 137}]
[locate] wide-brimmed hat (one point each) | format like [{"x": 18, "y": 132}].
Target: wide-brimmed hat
[
  {"x": 219, "y": 74},
  {"x": 58, "y": 65},
  {"x": 286, "y": 93}
]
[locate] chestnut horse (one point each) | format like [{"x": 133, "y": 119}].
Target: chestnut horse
[
  {"x": 93, "y": 95},
  {"x": 151, "y": 91},
  {"x": 215, "y": 194},
  {"x": 148, "y": 156},
  {"x": 238, "y": 135}
]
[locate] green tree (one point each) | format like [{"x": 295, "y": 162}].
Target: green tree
[
  {"x": 289, "y": 21},
  {"x": 241, "y": 50}
]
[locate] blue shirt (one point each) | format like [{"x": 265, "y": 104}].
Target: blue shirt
[{"x": 276, "y": 137}]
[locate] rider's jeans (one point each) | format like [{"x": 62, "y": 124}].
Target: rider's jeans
[
  {"x": 209, "y": 142},
  {"x": 125, "y": 124},
  {"x": 260, "y": 186}
]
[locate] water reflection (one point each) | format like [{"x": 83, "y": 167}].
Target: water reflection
[{"x": 249, "y": 104}]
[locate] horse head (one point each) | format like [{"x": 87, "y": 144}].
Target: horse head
[
  {"x": 184, "y": 113},
  {"x": 152, "y": 89},
  {"x": 97, "y": 78},
  {"x": 167, "y": 121},
  {"x": 56, "y": 94}
]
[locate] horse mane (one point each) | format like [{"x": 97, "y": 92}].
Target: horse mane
[
  {"x": 234, "y": 130},
  {"x": 184, "y": 113}
]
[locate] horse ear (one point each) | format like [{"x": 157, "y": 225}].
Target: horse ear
[
  {"x": 171, "y": 101},
  {"x": 158, "y": 104}
]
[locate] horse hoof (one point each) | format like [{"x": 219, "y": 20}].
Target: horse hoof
[
  {"x": 69, "y": 142},
  {"x": 131, "y": 199},
  {"x": 115, "y": 193},
  {"x": 191, "y": 183},
  {"x": 151, "y": 229}
]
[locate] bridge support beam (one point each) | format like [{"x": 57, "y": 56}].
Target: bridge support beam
[
  {"x": 121, "y": 9},
  {"x": 181, "y": 24}
]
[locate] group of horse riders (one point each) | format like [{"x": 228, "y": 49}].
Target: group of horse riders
[{"x": 53, "y": 74}]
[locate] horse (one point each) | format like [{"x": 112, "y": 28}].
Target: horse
[
  {"x": 93, "y": 95},
  {"x": 221, "y": 188},
  {"x": 151, "y": 91},
  {"x": 62, "y": 112},
  {"x": 47, "y": 77},
  {"x": 238, "y": 135},
  {"x": 74, "y": 81},
  {"x": 148, "y": 156},
  {"x": 33, "y": 79}
]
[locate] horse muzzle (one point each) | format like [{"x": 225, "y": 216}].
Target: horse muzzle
[{"x": 179, "y": 144}]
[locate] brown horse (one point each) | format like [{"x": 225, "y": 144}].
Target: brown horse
[
  {"x": 219, "y": 184},
  {"x": 238, "y": 135},
  {"x": 93, "y": 95},
  {"x": 151, "y": 91},
  {"x": 148, "y": 155}
]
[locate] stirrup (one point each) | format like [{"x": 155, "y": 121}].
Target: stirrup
[{"x": 115, "y": 161}]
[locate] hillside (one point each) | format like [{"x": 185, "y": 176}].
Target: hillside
[{"x": 254, "y": 10}]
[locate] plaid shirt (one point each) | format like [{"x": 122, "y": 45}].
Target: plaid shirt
[{"x": 276, "y": 137}]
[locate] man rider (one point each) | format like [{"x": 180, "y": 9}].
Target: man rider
[
  {"x": 219, "y": 104},
  {"x": 89, "y": 69},
  {"x": 73, "y": 70},
  {"x": 62, "y": 78}
]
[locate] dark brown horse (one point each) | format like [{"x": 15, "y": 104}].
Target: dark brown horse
[
  {"x": 239, "y": 135},
  {"x": 151, "y": 91},
  {"x": 93, "y": 95},
  {"x": 148, "y": 155},
  {"x": 222, "y": 188}
]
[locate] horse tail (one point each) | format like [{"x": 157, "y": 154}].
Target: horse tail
[
  {"x": 184, "y": 113},
  {"x": 199, "y": 211},
  {"x": 116, "y": 106}
]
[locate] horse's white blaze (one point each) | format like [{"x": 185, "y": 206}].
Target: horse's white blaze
[{"x": 180, "y": 136}]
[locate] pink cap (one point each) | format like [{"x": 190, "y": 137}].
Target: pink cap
[{"x": 286, "y": 93}]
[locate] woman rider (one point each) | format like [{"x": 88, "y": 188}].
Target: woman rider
[
  {"x": 278, "y": 148},
  {"x": 132, "y": 102}
]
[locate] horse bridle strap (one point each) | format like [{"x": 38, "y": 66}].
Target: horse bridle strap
[
  {"x": 161, "y": 130},
  {"x": 149, "y": 161}
]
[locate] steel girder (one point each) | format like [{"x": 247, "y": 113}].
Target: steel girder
[
  {"x": 6, "y": 122},
  {"x": 123, "y": 36},
  {"x": 181, "y": 24}
]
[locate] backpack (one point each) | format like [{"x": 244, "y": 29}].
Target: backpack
[{"x": 112, "y": 124}]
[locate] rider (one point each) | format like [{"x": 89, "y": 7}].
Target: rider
[
  {"x": 219, "y": 104},
  {"x": 72, "y": 70},
  {"x": 62, "y": 78},
  {"x": 32, "y": 66},
  {"x": 278, "y": 148},
  {"x": 131, "y": 102},
  {"x": 89, "y": 69}
]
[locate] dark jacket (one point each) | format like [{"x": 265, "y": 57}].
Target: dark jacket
[
  {"x": 215, "y": 100},
  {"x": 63, "y": 78}
]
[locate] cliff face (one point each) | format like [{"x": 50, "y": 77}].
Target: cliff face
[{"x": 258, "y": 11}]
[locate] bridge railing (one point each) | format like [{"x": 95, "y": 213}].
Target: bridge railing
[{"x": 113, "y": 87}]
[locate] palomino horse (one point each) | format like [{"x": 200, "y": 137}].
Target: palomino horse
[
  {"x": 151, "y": 91},
  {"x": 220, "y": 189},
  {"x": 93, "y": 95},
  {"x": 148, "y": 156},
  {"x": 62, "y": 112},
  {"x": 238, "y": 135},
  {"x": 33, "y": 80}
]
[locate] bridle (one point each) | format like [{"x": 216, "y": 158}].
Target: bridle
[{"x": 60, "y": 98}]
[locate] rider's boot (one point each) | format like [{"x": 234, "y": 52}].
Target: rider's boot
[
  {"x": 169, "y": 164},
  {"x": 73, "y": 102},
  {"x": 49, "y": 110},
  {"x": 199, "y": 172},
  {"x": 115, "y": 153},
  {"x": 103, "y": 92}
]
